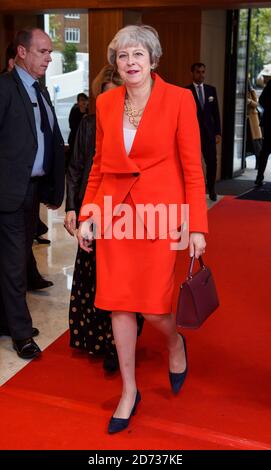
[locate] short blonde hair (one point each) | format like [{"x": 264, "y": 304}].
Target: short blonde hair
[
  {"x": 108, "y": 74},
  {"x": 133, "y": 35}
]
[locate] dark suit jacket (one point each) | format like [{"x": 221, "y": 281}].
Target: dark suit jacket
[
  {"x": 265, "y": 102},
  {"x": 80, "y": 162},
  {"x": 18, "y": 147},
  {"x": 208, "y": 117}
]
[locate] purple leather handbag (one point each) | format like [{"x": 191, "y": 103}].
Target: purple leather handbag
[{"x": 198, "y": 297}]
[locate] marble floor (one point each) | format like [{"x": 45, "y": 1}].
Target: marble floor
[{"x": 49, "y": 307}]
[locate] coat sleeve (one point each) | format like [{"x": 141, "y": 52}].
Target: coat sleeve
[
  {"x": 52, "y": 188},
  {"x": 189, "y": 146},
  {"x": 80, "y": 162},
  {"x": 265, "y": 97},
  {"x": 252, "y": 99},
  {"x": 75, "y": 169},
  {"x": 95, "y": 176},
  {"x": 4, "y": 102}
]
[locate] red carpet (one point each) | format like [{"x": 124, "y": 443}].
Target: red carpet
[{"x": 64, "y": 400}]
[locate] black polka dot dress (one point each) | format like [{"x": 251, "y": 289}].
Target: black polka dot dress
[{"x": 90, "y": 327}]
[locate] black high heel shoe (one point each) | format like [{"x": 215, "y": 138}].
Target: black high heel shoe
[
  {"x": 119, "y": 424},
  {"x": 177, "y": 379}
]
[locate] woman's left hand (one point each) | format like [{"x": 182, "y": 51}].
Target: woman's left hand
[
  {"x": 197, "y": 244},
  {"x": 85, "y": 235}
]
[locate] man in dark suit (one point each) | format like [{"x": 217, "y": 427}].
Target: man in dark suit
[
  {"x": 35, "y": 280},
  {"x": 31, "y": 170},
  {"x": 265, "y": 102},
  {"x": 209, "y": 123}
]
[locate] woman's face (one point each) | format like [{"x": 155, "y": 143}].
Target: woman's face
[{"x": 134, "y": 65}]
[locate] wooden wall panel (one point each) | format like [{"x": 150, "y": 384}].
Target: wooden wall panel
[
  {"x": 103, "y": 25},
  {"x": 9, "y": 25},
  {"x": 43, "y": 5},
  {"x": 6, "y": 36},
  {"x": 179, "y": 32}
]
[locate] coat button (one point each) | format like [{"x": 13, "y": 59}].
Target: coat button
[{"x": 136, "y": 174}]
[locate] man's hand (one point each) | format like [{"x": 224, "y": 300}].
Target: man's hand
[
  {"x": 217, "y": 139},
  {"x": 70, "y": 222}
]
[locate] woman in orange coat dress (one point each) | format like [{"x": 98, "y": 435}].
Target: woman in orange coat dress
[{"x": 147, "y": 153}]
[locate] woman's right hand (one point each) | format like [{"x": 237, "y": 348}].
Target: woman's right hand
[
  {"x": 70, "y": 222},
  {"x": 85, "y": 235}
]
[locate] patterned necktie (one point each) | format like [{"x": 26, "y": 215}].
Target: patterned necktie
[
  {"x": 46, "y": 129},
  {"x": 200, "y": 96}
]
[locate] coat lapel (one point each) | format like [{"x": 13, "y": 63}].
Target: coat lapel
[
  {"x": 26, "y": 101},
  {"x": 193, "y": 89},
  {"x": 200, "y": 110},
  {"x": 141, "y": 156},
  {"x": 149, "y": 117},
  {"x": 46, "y": 96},
  {"x": 206, "y": 94},
  {"x": 115, "y": 158}
]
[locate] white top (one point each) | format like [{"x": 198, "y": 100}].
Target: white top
[{"x": 129, "y": 135}]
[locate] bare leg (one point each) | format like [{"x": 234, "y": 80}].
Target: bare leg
[
  {"x": 125, "y": 335},
  {"x": 167, "y": 326}
]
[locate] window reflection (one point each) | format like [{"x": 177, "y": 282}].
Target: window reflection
[{"x": 67, "y": 74}]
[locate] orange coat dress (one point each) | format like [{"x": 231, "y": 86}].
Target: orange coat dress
[{"x": 163, "y": 167}]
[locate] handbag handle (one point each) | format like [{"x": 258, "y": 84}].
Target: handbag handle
[{"x": 191, "y": 267}]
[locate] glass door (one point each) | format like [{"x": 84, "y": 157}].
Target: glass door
[
  {"x": 236, "y": 70},
  {"x": 240, "y": 92}
]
